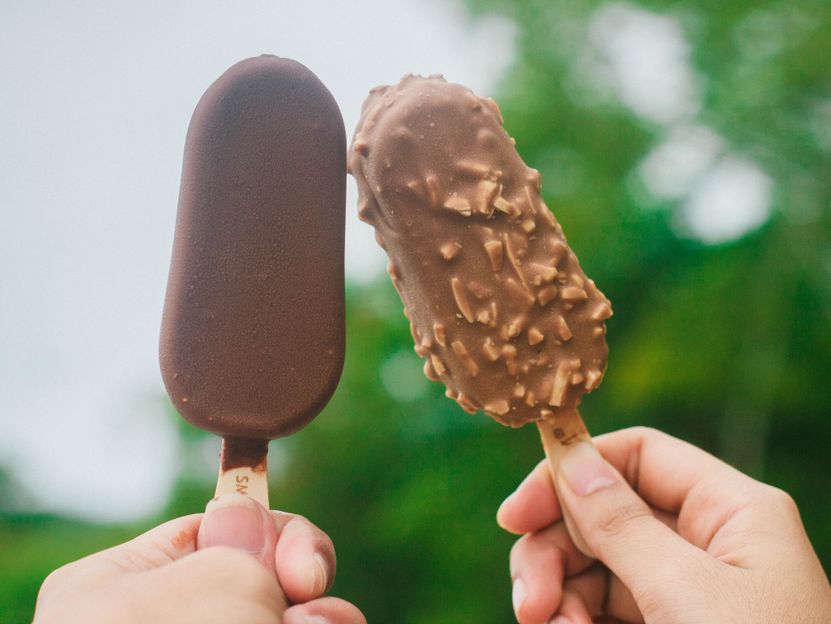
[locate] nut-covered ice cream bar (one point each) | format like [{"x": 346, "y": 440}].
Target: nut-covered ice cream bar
[{"x": 498, "y": 305}]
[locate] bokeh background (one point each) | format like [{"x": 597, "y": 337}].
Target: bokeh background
[{"x": 684, "y": 146}]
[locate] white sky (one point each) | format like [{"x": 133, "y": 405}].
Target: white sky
[
  {"x": 647, "y": 61},
  {"x": 643, "y": 59},
  {"x": 96, "y": 101}
]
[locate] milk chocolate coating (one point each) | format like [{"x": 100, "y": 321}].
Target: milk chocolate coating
[
  {"x": 252, "y": 339},
  {"x": 498, "y": 304}
]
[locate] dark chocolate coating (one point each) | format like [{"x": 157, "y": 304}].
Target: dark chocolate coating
[
  {"x": 242, "y": 453},
  {"x": 498, "y": 304},
  {"x": 252, "y": 338}
]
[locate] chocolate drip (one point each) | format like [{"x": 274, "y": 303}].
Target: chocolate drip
[{"x": 243, "y": 453}]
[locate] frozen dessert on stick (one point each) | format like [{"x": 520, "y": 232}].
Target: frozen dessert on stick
[
  {"x": 252, "y": 338},
  {"x": 498, "y": 305}
]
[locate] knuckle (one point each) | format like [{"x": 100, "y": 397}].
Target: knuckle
[
  {"x": 61, "y": 578},
  {"x": 130, "y": 559},
  {"x": 519, "y": 551},
  {"x": 621, "y": 519},
  {"x": 553, "y": 538},
  {"x": 53, "y": 580},
  {"x": 315, "y": 534},
  {"x": 781, "y": 500},
  {"x": 540, "y": 552},
  {"x": 522, "y": 556},
  {"x": 647, "y": 433},
  {"x": 52, "y": 583},
  {"x": 58, "y": 591},
  {"x": 281, "y": 518}
]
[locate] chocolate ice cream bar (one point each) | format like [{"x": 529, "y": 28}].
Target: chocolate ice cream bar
[
  {"x": 252, "y": 339},
  {"x": 499, "y": 307}
]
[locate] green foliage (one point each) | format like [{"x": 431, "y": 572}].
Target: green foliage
[
  {"x": 34, "y": 545},
  {"x": 727, "y": 346}
]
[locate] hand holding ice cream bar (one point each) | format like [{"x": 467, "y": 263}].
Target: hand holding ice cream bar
[
  {"x": 499, "y": 307},
  {"x": 252, "y": 339}
]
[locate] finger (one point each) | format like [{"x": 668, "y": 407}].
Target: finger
[
  {"x": 158, "y": 546},
  {"x": 661, "y": 468},
  {"x": 537, "y": 575},
  {"x": 602, "y": 593},
  {"x": 536, "y": 559},
  {"x": 573, "y": 610},
  {"x": 539, "y": 564},
  {"x": 326, "y": 610},
  {"x": 619, "y": 527},
  {"x": 305, "y": 558},
  {"x": 540, "y": 561},
  {"x": 238, "y": 521},
  {"x": 679, "y": 478},
  {"x": 219, "y": 576},
  {"x": 532, "y": 506}
]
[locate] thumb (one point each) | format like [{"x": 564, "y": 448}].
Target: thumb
[
  {"x": 618, "y": 526},
  {"x": 237, "y": 521}
]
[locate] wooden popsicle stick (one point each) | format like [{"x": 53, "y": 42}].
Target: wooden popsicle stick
[
  {"x": 559, "y": 431},
  {"x": 250, "y": 480},
  {"x": 245, "y": 480}
]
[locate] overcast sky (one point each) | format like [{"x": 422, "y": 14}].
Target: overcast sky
[{"x": 95, "y": 103}]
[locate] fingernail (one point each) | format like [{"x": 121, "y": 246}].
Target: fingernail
[
  {"x": 559, "y": 619},
  {"x": 321, "y": 574},
  {"x": 235, "y": 521},
  {"x": 315, "y": 619},
  {"x": 585, "y": 470},
  {"x": 518, "y": 595}
]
